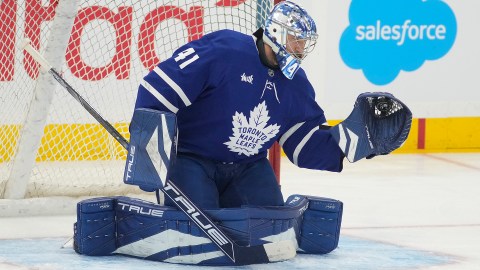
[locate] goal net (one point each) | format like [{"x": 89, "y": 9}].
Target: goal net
[{"x": 49, "y": 144}]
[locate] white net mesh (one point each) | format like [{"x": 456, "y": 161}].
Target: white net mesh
[{"x": 103, "y": 49}]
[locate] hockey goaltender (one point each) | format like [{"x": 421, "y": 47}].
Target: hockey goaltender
[{"x": 206, "y": 137}]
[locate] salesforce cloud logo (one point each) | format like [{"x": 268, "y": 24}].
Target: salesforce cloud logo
[{"x": 385, "y": 37}]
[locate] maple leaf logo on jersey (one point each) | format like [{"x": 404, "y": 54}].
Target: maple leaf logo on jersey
[{"x": 250, "y": 135}]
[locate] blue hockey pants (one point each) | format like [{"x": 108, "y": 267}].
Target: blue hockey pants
[{"x": 212, "y": 185}]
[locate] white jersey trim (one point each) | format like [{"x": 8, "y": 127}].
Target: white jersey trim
[
  {"x": 159, "y": 96},
  {"x": 302, "y": 143},
  {"x": 289, "y": 133},
  {"x": 173, "y": 85}
]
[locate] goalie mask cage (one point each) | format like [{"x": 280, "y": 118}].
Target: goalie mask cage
[{"x": 50, "y": 145}]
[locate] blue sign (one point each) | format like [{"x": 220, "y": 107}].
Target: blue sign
[{"x": 385, "y": 37}]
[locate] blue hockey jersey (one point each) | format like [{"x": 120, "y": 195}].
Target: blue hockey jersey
[{"x": 232, "y": 108}]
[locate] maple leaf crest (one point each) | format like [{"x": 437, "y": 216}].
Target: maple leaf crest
[{"x": 250, "y": 135}]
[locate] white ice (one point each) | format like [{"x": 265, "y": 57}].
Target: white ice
[{"x": 401, "y": 211}]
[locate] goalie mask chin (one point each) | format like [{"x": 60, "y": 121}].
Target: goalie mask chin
[{"x": 291, "y": 33}]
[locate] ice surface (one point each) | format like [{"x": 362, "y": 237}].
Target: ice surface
[{"x": 402, "y": 211}]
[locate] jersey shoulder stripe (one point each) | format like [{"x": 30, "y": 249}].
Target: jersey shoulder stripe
[
  {"x": 158, "y": 96},
  {"x": 173, "y": 85}
]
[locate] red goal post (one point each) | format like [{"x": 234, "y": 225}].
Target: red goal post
[
  {"x": 49, "y": 145},
  {"x": 274, "y": 153}
]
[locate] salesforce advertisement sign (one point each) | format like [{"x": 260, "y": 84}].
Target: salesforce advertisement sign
[{"x": 386, "y": 37}]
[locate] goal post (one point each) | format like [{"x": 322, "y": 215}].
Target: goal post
[
  {"x": 49, "y": 145},
  {"x": 36, "y": 116}
]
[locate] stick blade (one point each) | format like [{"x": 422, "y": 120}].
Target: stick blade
[{"x": 266, "y": 253}]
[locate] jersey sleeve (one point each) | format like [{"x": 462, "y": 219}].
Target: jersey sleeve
[
  {"x": 176, "y": 82},
  {"x": 307, "y": 143}
]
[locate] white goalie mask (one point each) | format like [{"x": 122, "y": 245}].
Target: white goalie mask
[{"x": 292, "y": 34}]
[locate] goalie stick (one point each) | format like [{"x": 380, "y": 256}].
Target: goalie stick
[{"x": 240, "y": 255}]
